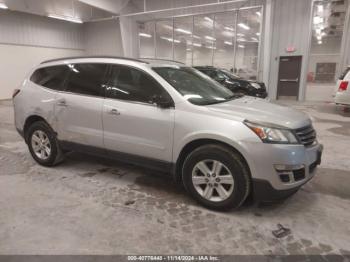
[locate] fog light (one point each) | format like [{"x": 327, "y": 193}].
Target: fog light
[{"x": 281, "y": 168}]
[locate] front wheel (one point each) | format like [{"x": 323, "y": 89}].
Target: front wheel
[{"x": 216, "y": 177}]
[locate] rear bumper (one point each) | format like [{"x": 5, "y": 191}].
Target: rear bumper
[{"x": 342, "y": 98}]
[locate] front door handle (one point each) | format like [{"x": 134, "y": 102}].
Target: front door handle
[
  {"x": 290, "y": 80},
  {"x": 114, "y": 112},
  {"x": 62, "y": 102}
]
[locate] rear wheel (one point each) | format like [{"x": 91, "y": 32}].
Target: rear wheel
[
  {"x": 43, "y": 145},
  {"x": 216, "y": 176}
]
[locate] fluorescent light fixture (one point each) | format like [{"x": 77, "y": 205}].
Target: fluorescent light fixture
[
  {"x": 3, "y": 6},
  {"x": 66, "y": 18},
  {"x": 170, "y": 39},
  {"x": 188, "y": 49},
  {"x": 241, "y": 46},
  {"x": 210, "y": 38},
  {"x": 258, "y": 34},
  {"x": 258, "y": 13},
  {"x": 318, "y": 31},
  {"x": 241, "y": 39},
  {"x": 320, "y": 8},
  {"x": 323, "y": 34},
  {"x": 317, "y": 20},
  {"x": 145, "y": 35},
  {"x": 240, "y": 34},
  {"x": 319, "y": 37},
  {"x": 209, "y": 19},
  {"x": 198, "y": 45},
  {"x": 254, "y": 39},
  {"x": 228, "y": 43},
  {"x": 319, "y": 42},
  {"x": 183, "y": 31},
  {"x": 244, "y": 26},
  {"x": 196, "y": 36},
  {"x": 229, "y": 28},
  {"x": 210, "y": 47}
]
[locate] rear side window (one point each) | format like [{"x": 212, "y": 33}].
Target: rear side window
[
  {"x": 341, "y": 77},
  {"x": 127, "y": 83},
  {"x": 51, "y": 77},
  {"x": 86, "y": 79}
]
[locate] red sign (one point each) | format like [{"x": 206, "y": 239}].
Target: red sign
[{"x": 290, "y": 49}]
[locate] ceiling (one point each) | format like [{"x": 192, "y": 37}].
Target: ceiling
[{"x": 85, "y": 10}]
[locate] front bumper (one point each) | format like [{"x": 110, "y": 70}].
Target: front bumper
[
  {"x": 264, "y": 191},
  {"x": 264, "y": 159}
]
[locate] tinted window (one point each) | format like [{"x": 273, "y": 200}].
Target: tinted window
[
  {"x": 341, "y": 77},
  {"x": 195, "y": 86},
  {"x": 131, "y": 84},
  {"x": 86, "y": 78},
  {"x": 51, "y": 77}
]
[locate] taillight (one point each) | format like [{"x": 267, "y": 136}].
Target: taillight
[
  {"x": 343, "y": 86},
  {"x": 15, "y": 92}
]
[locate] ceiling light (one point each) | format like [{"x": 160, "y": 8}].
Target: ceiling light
[
  {"x": 318, "y": 31},
  {"x": 66, "y": 18},
  {"x": 3, "y": 6},
  {"x": 254, "y": 39},
  {"x": 241, "y": 39},
  {"x": 319, "y": 37},
  {"x": 244, "y": 26},
  {"x": 258, "y": 34},
  {"x": 241, "y": 46},
  {"x": 170, "y": 39},
  {"x": 145, "y": 35},
  {"x": 210, "y": 47},
  {"x": 177, "y": 41},
  {"x": 188, "y": 49},
  {"x": 198, "y": 45},
  {"x": 239, "y": 34},
  {"x": 209, "y": 19},
  {"x": 229, "y": 28},
  {"x": 319, "y": 42},
  {"x": 196, "y": 36},
  {"x": 210, "y": 38},
  {"x": 323, "y": 34},
  {"x": 317, "y": 20},
  {"x": 258, "y": 13},
  {"x": 228, "y": 43},
  {"x": 320, "y": 8},
  {"x": 183, "y": 31}
]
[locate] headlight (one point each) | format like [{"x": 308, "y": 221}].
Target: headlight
[
  {"x": 270, "y": 134},
  {"x": 255, "y": 85}
]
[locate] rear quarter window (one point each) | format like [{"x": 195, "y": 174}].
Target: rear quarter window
[
  {"x": 51, "y": 77},
  {"x": 344, "y": 74}
]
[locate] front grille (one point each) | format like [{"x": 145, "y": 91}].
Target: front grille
[{"x": 306, "y": 135}]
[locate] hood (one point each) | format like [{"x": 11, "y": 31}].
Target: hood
[{"x": 260, "y": 110}]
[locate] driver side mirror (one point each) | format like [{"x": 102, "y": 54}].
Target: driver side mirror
[{"x": 162, "y": 102}]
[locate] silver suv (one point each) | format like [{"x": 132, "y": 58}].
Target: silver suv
[{"x": 165, "y": 115}]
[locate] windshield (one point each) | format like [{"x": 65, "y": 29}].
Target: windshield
[{"x": 196, "y": 87}]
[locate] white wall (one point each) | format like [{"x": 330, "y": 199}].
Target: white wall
[
  {"x": 26, "y": 40},
  {"x": 103, "y": 38},
  {"x": 17, "y": 60},
  {"x": 290, "y": 27}
]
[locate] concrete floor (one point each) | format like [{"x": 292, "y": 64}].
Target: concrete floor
[{"x": 90, "y": 205}]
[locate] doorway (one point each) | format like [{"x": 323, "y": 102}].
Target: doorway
[{"x": 289, "y": 77}]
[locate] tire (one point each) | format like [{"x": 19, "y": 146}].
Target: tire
[
  {"x": 40, "y": 130},
  {"x": 233, "y": 177}
]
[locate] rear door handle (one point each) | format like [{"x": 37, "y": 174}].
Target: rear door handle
[
  {"x": 114, "y": 112},
  {"x": 62, "y": 102}
]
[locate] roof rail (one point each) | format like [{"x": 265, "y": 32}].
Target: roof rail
[
  {"x": 81, "y": 57},
  {"x": 160, "y": 59}
]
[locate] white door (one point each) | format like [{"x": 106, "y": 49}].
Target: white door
[
  {"x": 132, "y": 123},
  {"x": 79, "y": 105}
]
